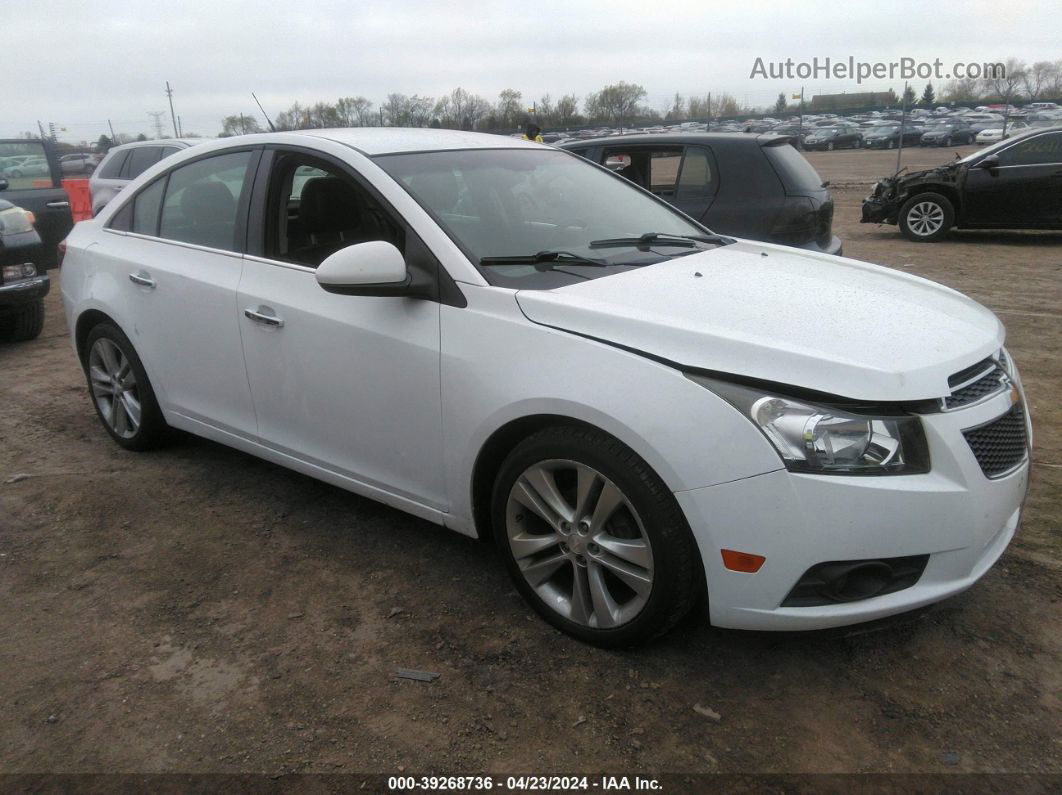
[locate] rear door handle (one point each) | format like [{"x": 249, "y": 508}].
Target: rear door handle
[
  {"x": 259, "y": 316},
  {"x": 142, "y": 279},
  {"x": 58, "y": 205}
]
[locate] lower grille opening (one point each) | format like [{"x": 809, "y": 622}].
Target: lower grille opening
[{"x": 839, "y": 581}]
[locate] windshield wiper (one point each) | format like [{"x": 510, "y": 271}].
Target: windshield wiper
[
  {"x": 650, "y": 239},
  {"x": 544, "y": 260}
]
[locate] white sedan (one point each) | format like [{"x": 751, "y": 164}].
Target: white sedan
[
  {"x": 994, "y": 133},
  {"x": 509, "y": 341}
]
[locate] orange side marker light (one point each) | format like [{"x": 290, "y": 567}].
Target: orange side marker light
[{"x": 742, "y": 561}]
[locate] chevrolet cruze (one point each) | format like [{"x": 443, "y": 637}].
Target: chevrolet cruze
[{"x": 509, "y": 341}]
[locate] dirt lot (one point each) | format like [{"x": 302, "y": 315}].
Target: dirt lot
[{"x": 196, "y": 609}]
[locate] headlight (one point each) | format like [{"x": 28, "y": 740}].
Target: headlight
[
  {"x": 14, "y": 221},
  {"x": 828, "y": 439},
  {"x": 24, "y": 271}
]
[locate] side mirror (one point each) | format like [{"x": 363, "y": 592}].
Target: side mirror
[
  {"x": 990, "y": 163},
  {"x": 376, "y": 268},
  {"x": 617, "y": 162},
  {"x": 3, "y": 184}
]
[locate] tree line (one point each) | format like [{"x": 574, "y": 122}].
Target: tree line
[{"x": 619, "y": 103}]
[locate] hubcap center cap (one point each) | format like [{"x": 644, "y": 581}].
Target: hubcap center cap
[{"x": 576, "y": 544}]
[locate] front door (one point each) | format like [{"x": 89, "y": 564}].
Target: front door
[
  {"x": 1025, "y": 190},
  {"x": 346, "y": 383}
]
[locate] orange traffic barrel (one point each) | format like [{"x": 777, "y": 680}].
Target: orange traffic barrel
[{"x": 80, "y": 198}]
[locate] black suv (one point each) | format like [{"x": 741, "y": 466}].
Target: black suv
[
  {"x": 1014, "y": 184},
  {"x": 757, "y": 187},
  {"x": 38, "y": 190}
]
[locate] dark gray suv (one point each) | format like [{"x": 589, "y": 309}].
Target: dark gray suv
[{"x": 752, "y": 186}]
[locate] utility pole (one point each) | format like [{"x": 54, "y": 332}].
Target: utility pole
[
  {"x": 157, "y": 116},
  {"x": 708, "y": 124},
  {"x": 173, "y": 116},
  {"x": 903, "y": 123},
  {"x": 180, "y": 128}
]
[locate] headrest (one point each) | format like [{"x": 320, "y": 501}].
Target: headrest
[{"x": 328, "y": 204}]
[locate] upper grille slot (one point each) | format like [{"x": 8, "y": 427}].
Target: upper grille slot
[
  {"x": 991, "y": 382},
  {"x": 1000, "y": 445}
]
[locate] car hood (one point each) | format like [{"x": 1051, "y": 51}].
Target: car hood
[{"x": 769, "y": 312}]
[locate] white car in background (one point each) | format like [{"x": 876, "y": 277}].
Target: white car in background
[
  {"x": 122, "y": 164},
  {"x": 509, "y": 341},
  {"x": 994, "y": 132}
]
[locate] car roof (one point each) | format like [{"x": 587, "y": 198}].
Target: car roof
[
  {"x": 392, "y": 140},
  {"x": 178, "y": 142},
  {"x": 676, "y": 138}
]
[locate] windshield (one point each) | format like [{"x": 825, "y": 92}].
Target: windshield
[
  {"x": 517, "y": 203},
  {"x": 887, "y": 130}
]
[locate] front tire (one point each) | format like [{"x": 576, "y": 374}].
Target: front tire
[
  {"x": 829, "y": 146},
  {"x": 926, "y": 217},
  {"x": 24, "y": 323},
  {"x": 593, "y": 539},
  {"x": 121, "y": 392}
]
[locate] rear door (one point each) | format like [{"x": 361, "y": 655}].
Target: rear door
[
  {"x": 178, "y": 257},
  {"x": 34, "y": 184}
]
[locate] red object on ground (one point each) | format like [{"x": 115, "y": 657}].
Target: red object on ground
[{"x": 80, "y": 198}]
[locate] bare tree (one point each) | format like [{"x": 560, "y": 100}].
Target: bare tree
[
  {"x": 968, "y": 89},
  {"x": 678, "y": 110},
  {"x": 354, "y": 112},
  {"x": 1037, "y": 78},
  {"x": 567, "y": 110},
  {"x": 239, "y": 124},
  {"x": 618, "y": 103},
  {"x": 1004, "y": 86},
  {"x": 509, "y": 110}
]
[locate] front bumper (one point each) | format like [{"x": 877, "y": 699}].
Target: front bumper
[
  {"x": 878, "y": 211},
  {"x": 24, "y": 291},
  {"x": 955, "y": 514}
]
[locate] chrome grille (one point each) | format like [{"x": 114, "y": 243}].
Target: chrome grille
[{"x": 1001, "y": 444}]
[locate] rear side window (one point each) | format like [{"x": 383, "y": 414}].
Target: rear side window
[
  {"x": 796, "y": 173},
  {"x": 113, "y": 167},
  {"x": 140, "y": 159},
  {"x": 146, "y": 208},
  {"x": 202, "y": 199},
  {"x": 168, "y": 150},
  {"x": 696, "y": 177}
]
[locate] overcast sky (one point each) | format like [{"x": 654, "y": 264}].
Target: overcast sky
[{"x": 80, "y": 62}]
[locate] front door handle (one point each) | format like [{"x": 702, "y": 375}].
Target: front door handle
[
  {"x": 259, "y": 316},
  {"x": 58, "y": 205},
  {"x": 142, "y": 279}
]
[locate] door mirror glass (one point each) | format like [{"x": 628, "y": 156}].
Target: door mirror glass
[{"x": 373, "y": 268}]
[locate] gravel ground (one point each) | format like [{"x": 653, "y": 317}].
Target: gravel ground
[{"x": 198, "y": 610}]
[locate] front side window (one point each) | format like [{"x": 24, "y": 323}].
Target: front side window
[
  {"x": 1036, "y": 151},
  {"x": 316, "y": 208},
  {"x": 201, "y": 201},
  {"x": 546, "y": 205},
  {"x": 25, "y": 165}
]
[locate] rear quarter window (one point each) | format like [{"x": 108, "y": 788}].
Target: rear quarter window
[
  {"x": 113, "y": 166},
  {"x": 797, "y": 174},
  {"x": 140, "y": 160}
]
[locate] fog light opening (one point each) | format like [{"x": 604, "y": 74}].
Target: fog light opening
[{"x": 860, "y": 581}]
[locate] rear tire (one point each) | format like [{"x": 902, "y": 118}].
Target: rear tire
[
  {"x": 926, "y": 217},
  {"x": 120, "y": 390},
  {"x": 24, "y": 323},
  {"x": 829, "y": 146},
  {"x": 593, "y": 539}
]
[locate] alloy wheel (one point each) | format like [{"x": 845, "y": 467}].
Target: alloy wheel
[
  {"x": 925, "y": 218},
  {"x": 579, "y": 543},
  {"x": 114, "y": 388}
]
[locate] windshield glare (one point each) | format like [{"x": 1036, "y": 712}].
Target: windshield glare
[{"x": 517, "y": 202}]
